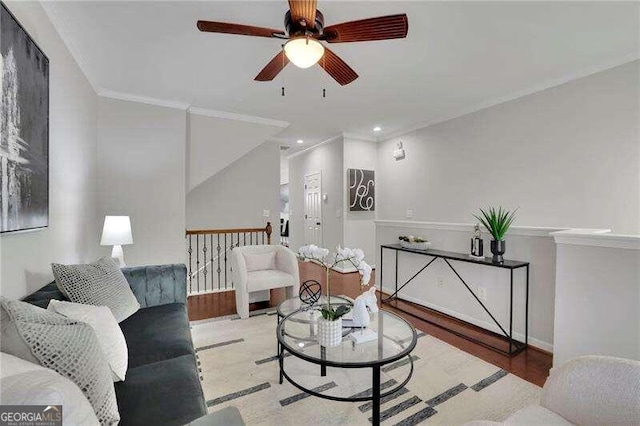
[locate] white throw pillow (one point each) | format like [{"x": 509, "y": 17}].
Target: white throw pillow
[
  {"x": 110, "y": 336},
  {"x": 260, "y": 261},
  {"x": 25, "y": 383}
]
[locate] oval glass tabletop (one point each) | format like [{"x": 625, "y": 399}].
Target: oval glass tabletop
[{"x": 395, "y": 338}]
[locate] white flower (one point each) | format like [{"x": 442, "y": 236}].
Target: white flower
[
  {"x": 343, "y": 253},
  {"x": 358, "y": 254},
  {"x": 365, "y": 270},
  {"x": 313, "y": 252},
  {"x": 347, "y": 253}
]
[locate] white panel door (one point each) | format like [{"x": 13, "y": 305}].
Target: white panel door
[{"x": 313, "y": 209}]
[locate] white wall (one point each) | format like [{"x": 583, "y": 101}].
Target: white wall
[
  {"x": 237, "y": 196},
  {"x": 74, "y": 226},
  {"x": 328, "y": 159},
  {"x": 567, "y": 156},
  {"x": 216, "y": 142},
  {"x": 142, "y": 174},
  {"x": 359, "y": 227},
  {"x": 533, "y": 245},
  {"x": 284, "y": 170},
  {"x": 597, "y": 296}
]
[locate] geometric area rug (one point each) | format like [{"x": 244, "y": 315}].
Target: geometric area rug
[{"x": 448, "y": 386}]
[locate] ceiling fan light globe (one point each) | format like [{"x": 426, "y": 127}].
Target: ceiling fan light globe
[{"x": 304, "y": 51}]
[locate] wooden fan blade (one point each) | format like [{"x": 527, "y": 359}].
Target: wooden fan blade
[
  {"x": 273, "y": 68},
  {"x": 337, "y": 68},
  {"x": 381, "y": 28},
  {"x": 223, "y": 27},
  {"x": 303, "y": 10}
]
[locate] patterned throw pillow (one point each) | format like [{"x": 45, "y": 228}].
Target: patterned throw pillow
[
  {"x": 100, "y": 283},
  {"x": 108, "y": 332},
  {"x": 70, "y": 348}
]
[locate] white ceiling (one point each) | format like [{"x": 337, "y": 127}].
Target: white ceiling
[{"x": 458, "y": 56}]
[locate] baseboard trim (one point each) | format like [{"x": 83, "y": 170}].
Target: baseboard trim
[{"x": 536, "y": 343}]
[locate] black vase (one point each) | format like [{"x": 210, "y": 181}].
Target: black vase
[{"x": 498, "y": 248}]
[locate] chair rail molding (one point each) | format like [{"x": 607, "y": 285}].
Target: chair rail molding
[
  {"x": 530, "y": 231},
  {"x": 595, "y": 238}
]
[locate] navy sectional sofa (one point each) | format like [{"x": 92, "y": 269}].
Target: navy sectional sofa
[{"x": 162, "y": 386}]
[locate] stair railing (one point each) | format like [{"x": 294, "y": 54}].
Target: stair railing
[{"x": 209, "y": 255}]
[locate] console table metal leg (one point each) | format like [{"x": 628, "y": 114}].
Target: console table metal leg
[
  {"x": 381, "y": 276},
  {"x": 526, "y": 312},
  {"x": 396, "y": 292},
  {"x": 375, "y": 386},
  {"x": 510, "y": 311}
]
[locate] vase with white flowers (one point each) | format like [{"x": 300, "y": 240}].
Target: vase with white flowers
[{"x": 330, "y": 325}]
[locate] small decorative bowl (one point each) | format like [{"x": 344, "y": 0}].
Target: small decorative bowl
[{"x": 415, "y": 246}]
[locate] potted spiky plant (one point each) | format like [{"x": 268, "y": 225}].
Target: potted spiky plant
[{"x": 497, "y": 221}]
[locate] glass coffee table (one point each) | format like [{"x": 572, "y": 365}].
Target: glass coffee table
[{"x": 297, "y": 334}]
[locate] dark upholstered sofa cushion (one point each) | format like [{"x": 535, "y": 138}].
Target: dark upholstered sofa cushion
[
  {"x": 42, "y": 297},
  {"x": 161, "y": 393},
  {"x": 157, "y": 333}
]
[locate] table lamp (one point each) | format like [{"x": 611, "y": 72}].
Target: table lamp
[{"x": 117, "y": 232}]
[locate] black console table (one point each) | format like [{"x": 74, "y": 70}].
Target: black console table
[{"x": 515, "y": 346}]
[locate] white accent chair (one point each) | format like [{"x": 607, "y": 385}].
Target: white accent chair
[
  {"x": 261, "y": 268},
  {"x": 588, "y": 390}
]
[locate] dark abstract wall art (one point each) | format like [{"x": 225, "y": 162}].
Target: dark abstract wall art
[
  {"x": 24, "y": 129},
  {"x": 362, "y": 190}
]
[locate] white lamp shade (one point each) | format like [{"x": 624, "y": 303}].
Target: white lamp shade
[
  {"x": 304, "y": 51},
  {"x": 116, "y": 231}
]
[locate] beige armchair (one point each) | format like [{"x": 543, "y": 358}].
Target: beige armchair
[
  {"x": 260, "y": 269},
  {"x": 588, "y": 390}
]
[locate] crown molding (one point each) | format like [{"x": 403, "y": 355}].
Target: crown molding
[
  {"x": 360, "y": 137},
  {"x": 548, "y": 84},
  {"x": 143, "y": 99},
  {"x": 324, "y": 142},
  {"x": 183, "y": 106},
  {"x": 238, "y": 117}
]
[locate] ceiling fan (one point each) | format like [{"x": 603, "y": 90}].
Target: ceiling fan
[{"x": 304, "y": 25}]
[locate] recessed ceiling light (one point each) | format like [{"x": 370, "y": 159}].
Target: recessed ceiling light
[
  {"x": 300, "y": 141},
  {"x": 377, "y": 129}
]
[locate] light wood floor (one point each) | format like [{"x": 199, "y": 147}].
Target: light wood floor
[{"x": 532, "y": 364}]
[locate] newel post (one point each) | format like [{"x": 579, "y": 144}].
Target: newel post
[{"x": 268, "y": 231}]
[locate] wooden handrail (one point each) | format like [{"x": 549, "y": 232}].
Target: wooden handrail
[{"x": 267, "y": 230}]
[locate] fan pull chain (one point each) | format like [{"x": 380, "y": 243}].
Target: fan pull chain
[
  {"x": 282, "y": 70},
  {"x": 324, "y": 90}
]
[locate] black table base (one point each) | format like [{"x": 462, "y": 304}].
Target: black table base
[
  {"x": 515, "y": 347},
  {"x": 375, "y": 397}
]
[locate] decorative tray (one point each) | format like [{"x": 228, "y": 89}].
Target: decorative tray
[{"x": 415, "y": 246}]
